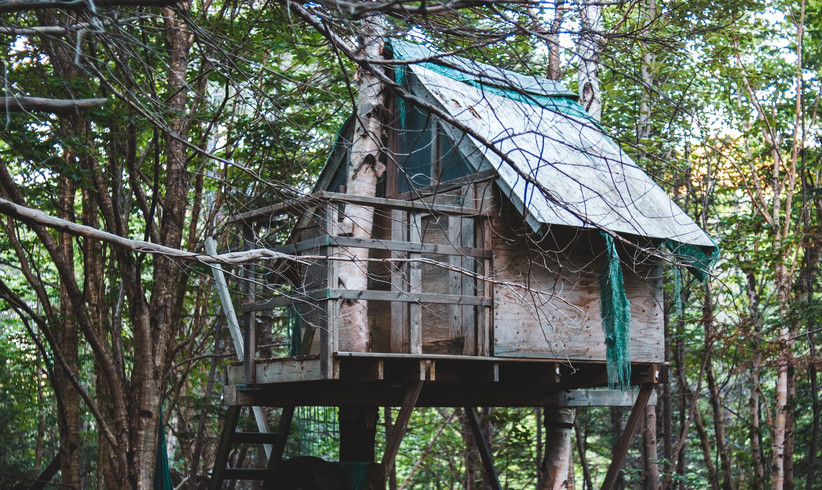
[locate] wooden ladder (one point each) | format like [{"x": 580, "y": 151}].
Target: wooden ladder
[{"x": 230, "y": 437}]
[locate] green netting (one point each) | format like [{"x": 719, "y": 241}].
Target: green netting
[
  {"x": 356, "y": 475},
  {"x": 694, "y": 258},
  {"x": 399, "y": 77},
  {"x": 678, "y": 292},
  {"x": 616, "y": 317},
  {"x": 563, "y": 105},
  {"x": 293, "y": 317},
  {"x": 162, "y": 474}
]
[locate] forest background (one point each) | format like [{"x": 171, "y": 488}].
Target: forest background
[{"x": 216, "y": 106}]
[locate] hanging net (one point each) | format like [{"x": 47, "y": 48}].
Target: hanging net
[{"x": 616, "y": 318}]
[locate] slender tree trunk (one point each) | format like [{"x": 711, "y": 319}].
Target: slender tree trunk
[
  {"x": 589, "y": 50},
  {"x": 552, "y": 37},
  {"x": 651, "y": 467},
  {"x": 471, "y": 455},
  {"x": 705, "y": 443},
  {"x": 68, "y": 398},
  {"x": 755, "y": 432},
  {"x": 783, "y": 383},
  {"x": 615, "y": 416},
  {"x": 646, "y": 74},
  {"x": 559, "y": 424},
  {"x": 582, "y": 446}
]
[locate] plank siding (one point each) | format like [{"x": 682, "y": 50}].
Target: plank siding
[{"x": 558, "y": 315}]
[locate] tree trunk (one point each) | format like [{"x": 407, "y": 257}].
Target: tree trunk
[
  {"x": 781, "y": 418},
  {"x": 559, "y": 424},
  {"x": 67, "y": 396},
  {"x": 705, "y": 443},
  {"x": 590, "y": 49},
  {"x": 651, "y": 468},
  {"x": 615, "y": 415},
  {"x": 364, "y": 169},
  {"x": 646, "y": 75},
  {"x": 552, "y": 37},
  {"x": 582, "y": 446}
]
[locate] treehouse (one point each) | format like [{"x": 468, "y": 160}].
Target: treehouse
[{"x": 515, "y": 253}]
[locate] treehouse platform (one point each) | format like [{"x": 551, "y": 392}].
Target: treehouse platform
[{"x": 512, "y": 257}]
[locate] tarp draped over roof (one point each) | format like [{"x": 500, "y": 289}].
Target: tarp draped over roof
[{"x": 576, "y": 174}]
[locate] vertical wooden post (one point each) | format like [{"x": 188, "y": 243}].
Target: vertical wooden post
[
  {"x": 250, "y": 320},
  {"x": 328, "y": 335},
  {"x": 415, "y": 286},
  {"x": 455, "y": 312},
  {"x": 399, "y": 278},
  {"x": 485, "y": 327}
]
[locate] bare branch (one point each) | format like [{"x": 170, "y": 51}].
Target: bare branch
[
  {"x": 17, "y": 5},
  {"x": 34, "y": 216},
  {"x": 53, "y": 106}
]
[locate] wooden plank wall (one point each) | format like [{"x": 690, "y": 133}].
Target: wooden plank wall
[{"x": 558, "y": 315}]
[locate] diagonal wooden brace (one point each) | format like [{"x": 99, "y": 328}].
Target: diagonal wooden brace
[
  {"x": 392, "y": 446},
  {"x": 627, "y": 434},
  {"x": 484, "y": 448}
]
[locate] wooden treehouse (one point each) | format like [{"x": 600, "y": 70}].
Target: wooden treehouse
[{"x": 493, "y": 274}]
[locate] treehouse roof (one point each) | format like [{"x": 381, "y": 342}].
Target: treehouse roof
[{"x": 555, "y": 163}]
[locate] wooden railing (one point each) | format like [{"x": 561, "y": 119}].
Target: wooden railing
[{"x": 427, "y": 260}]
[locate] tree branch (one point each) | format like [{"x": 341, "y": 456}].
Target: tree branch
[
  {"x": 34, "y": 216},
  {"x": 40, "y": 104},
  {"x": 17, "y": 5}
]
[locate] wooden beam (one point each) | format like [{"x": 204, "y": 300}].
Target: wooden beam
[
  {"x": 627, "y": 434},
  {"x": 415, "y": 286},
  {"x": 225, "y": 299},
  {"x": 392, "y": 445},
  {"x": 44, "y": 478},
  {"x": 276, "y": 456},
  {"x": 250, "y": 320},
  {"x": 600, "y": 398},
  {"x": 410, "y": 297},
  {"x": 229, "y": 424},
  {"x": 449, "y": 185},
  {"x": 399, "y": 280},
  {"x": 403, "y": 246},
  {"x": 303, "y": 203},
  {"x": 484, "y": 448}
]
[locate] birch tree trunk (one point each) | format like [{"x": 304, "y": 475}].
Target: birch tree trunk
[
  {"x": 559, "y": 425},
  {"x": 364, "y": 169}
]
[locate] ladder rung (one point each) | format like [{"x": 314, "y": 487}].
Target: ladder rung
[
  {"x": 254, "y": 437},
  {"x": 245, "y": 474}
]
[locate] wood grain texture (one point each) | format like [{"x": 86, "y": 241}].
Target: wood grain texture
[{"x": 558, "y": 315}]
